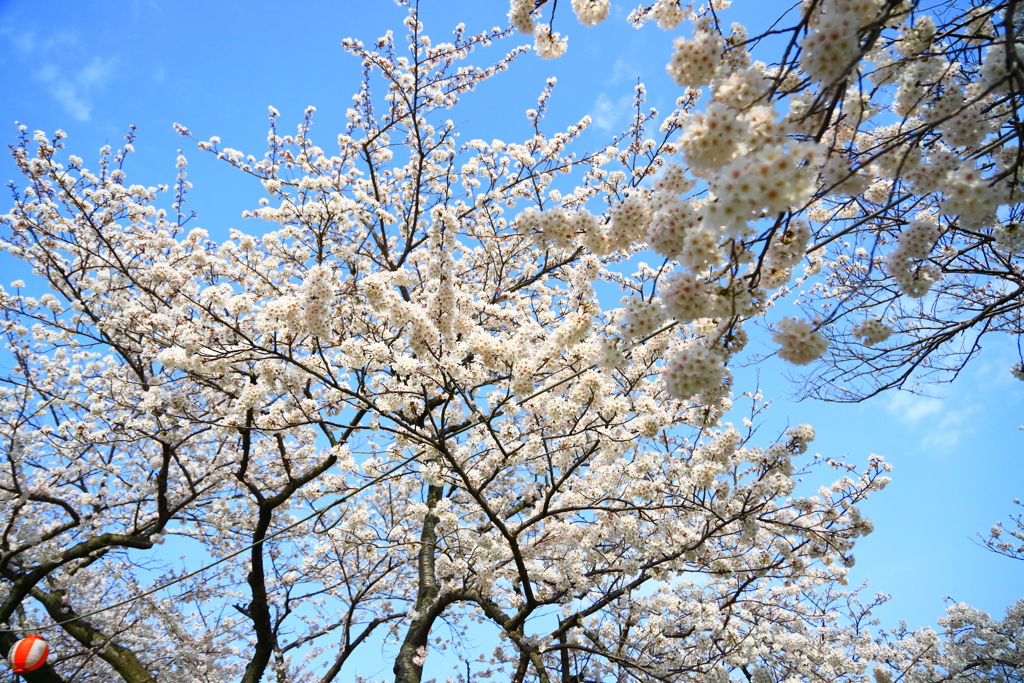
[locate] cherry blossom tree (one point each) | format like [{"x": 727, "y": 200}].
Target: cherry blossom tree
[
  {"x": 402, "y": 413},
  {"x": 437, "y": 382}
]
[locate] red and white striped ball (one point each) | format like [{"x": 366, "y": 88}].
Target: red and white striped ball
[{"x": 28, "y": 654}]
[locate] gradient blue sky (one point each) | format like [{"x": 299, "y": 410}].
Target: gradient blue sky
[{"x": 93, "y": 68}]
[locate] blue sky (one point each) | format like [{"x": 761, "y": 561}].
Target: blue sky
[{"x": 94, "y": 68}]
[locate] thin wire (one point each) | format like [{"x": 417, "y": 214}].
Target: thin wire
[
  {"x": 188, "y": 576},
  {"x": 473, "y": 423},
  {"x": 180, "y": 578}
]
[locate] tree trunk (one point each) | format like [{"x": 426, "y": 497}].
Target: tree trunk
[{"x": 409, "y": 664}]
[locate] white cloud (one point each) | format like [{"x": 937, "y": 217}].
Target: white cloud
[
  {"x": 607, "y": 114},
  {"x": 24, "y": 43},
  {"x": 913, "y": 408},
  {"x": 66, "y": 94},
  {"x": 950, "y": 430},
  {"x": 623, "y": 70},
  {"x": 95, "y": 72},
  {"x": 59, "y": 64},
  {"x": 944, "y": 422}
]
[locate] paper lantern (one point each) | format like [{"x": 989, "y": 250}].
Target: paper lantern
[{"x": 28, "y": 654}]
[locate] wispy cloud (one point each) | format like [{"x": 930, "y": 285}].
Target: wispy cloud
[
  {"x": 950, "y": 430},
  {"x": 60, "y": 64},
  {"x": 610, "y": 115},
  {"x": 913, "y": 408},
  {"x": 945, "y": 422},
  {"x": 607, "y": 114},
  {"x": 624, "y": 70},
  {"x": 72, "y": 89},
  {"x": 23, "y": 42}
]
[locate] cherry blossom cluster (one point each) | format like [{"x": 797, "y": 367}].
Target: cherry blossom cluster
[
  {"x": 696, "y": 61},
  {"x": 831, "y": 48},
  {"x": 935, "y": 134},
  {"x": 872, "y": 331},
  {"x": 799, "y": 342}
]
